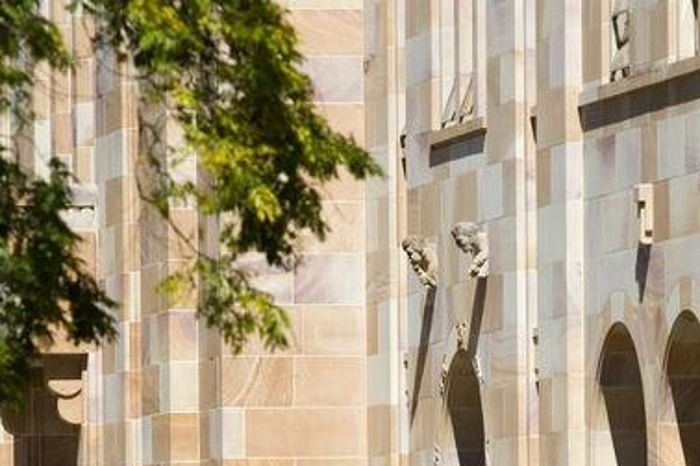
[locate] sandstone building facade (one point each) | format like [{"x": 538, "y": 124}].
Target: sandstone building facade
[{"x": 521, "y": 288}]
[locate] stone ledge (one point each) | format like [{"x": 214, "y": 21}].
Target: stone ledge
[
  {"x": 656, "y": 90},
  {"x": 469, "y": 129},
  {"x": 656, "y": 75}
]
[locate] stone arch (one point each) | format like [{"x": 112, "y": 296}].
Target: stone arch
[
  {"x": 464, "y": 407},
  {"x": 681, "y": 297},
  {"x": 683, "y": 372},
  {"x": 620, "y": 383}
]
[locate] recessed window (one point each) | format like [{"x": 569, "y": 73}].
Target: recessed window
[{"x": 620, "y": 20}]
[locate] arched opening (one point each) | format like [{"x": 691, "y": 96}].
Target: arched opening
[
  {"x": 621, "y": 385},
  {"x": 683, "y": 370},
  {"x": 464, "y": 407}
]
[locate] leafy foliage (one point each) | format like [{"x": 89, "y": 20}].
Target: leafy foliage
[
  {"x": 43, "y": 284},
  {"x": 228, "y": 72},
  {"x": 27, "y": 38},
  {"x": 44, "y": 287}
]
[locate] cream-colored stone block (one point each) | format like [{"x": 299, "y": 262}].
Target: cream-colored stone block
[
  {"x": 232, "y": 433},
  {"x": 347, "y": 119},
  {"x": 328, "y": 32},
  {"x": 332, "y": 330},
  {"x": 259, "y": 462},
  {"x": 304, "y": 432},
  {"x": 256, "y": 381},
  {"x": 671, "y": 146},
  {"x": 683, "y": 205},
  {"x": 328, "y": 381},
  {"x": 335, "y": 79},
  {"x": 183, "y": 437},
  {"x": 344, "y": 188},
  {"x": 62, "y": 129},
  {"x": 346, "y": 222},
  {"x": 182, "y": 392},
  {"x": 182, "y": 336},
  {"x": 329, "y": 278},
  {"x": 84, "y": 117}
]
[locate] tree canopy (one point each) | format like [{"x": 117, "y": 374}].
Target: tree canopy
[{"x": 228, "y": 72}]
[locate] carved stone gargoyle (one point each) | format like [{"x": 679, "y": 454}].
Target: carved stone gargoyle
[
  {"x": 473, "y": 241},
  {"x": 422, "y": 258}
]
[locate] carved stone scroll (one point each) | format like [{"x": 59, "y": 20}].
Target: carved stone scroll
[
  {"x": 63, "y": 378},
  {"x": 423, "y": 260},
  {"x": 474, "y": 242}
]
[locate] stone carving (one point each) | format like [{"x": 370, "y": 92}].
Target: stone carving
[
  {"x": 69, "y": 399},
  {"x": 422, "y": 258},
  {"x": 442, "y": 387},
  {"x": 437, "y": 455},
  {"x": 644, "y": 195},
  {"x": 620, "y": 19},
  {"x": 63, "y": 377},
  {"x": 461, "y": 330},
  {"x": 449, "y": 113},
  {"x": 456, "y": 110},
  {"x": 476, "y": 365},
  {"x": 473, "y": 241},
  {"x": 467, "y": 110}
]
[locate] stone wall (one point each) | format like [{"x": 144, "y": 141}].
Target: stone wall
[{"x": 556, "y": 325}]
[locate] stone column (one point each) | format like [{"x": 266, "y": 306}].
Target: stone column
[{"x": 560, "y": 231}]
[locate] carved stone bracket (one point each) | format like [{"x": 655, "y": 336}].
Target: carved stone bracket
[
  {"x": 644, "y": 196},
  {"x": 444, "y": 370},
  {"x": 423, "y": 260},
  {"x": 474, "y": 242},
  {"x": 63, "y": 378}
]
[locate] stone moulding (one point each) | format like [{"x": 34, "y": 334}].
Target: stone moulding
[
  {"x": 82, "y": 214},
  {"x": 423, "y": 260},
  {"x": 665, "y": 85},
  {"x": 474, "y": 242},
  {"x": 470, "y": 128}
]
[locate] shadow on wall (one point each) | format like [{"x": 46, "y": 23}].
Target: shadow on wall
[
  {"x": 477, "y": 315},
  {"x": 426, "y": 326},
  {"x": 464, "y": 407},
  {"x": 642, "y": 268},
  {"x": 621, "y": 385},
  {"x": 683, "y": 369},
  {"x": 643, "y": 100}
]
